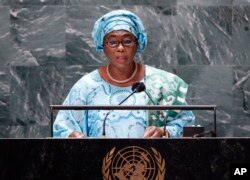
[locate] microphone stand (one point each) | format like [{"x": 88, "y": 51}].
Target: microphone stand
[
  {"x": 149, "y": 97},
  {"x": 136, "y": 88},
  {"x": 104, "y": 121}
]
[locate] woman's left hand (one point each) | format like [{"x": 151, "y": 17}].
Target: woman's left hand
[{"x": 153, "y": 131}]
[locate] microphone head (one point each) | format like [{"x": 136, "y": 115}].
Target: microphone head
[
  {"x": 138, "y": 87},
  {"x": 134, "y": 86}
]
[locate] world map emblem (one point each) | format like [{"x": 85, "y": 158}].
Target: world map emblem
[{"x": 133, "y": 163}]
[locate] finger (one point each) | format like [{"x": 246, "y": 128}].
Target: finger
[
  {"x": 149, "y": 131},
  {"x": 79, "y": 136},
  {"x": 76, "y": 134},
  {"x": 157, "y": 133}
]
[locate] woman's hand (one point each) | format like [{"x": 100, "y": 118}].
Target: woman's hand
[
  {"x": 76, "y": 134},
  {"x": 153, "y": 131}
]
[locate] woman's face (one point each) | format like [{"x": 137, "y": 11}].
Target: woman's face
[{"x": 120, "y": 48}]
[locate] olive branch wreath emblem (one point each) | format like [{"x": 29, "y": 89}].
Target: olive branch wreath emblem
[
  {"x": 106, "y": 163},
  {"x": 159, "y": 161}
]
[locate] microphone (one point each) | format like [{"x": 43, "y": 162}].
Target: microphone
[
  {"x": 141, "y": 87},
  {"x": 136, "y": 88}
]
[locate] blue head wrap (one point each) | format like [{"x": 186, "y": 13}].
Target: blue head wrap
[{"x": 119, "y": 20}]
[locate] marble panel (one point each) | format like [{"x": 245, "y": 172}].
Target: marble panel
[
  {"x": 5, "y": 54},
  {"x": 241, "y": 35},
  {"x": 241, "y": 2},
  {"x": 203, "y": 35},
  {"x": 10, "y": 52},
  {"x": 149, "y": 2},
  {"x": 92, "y": 2},
  {"x": 33, "y": 90},
  {"x": 5, "y": 43},
  {"x": 24, "y": 3},
  {"x": 38, "y": 33},
  {"x": 4, "y": 98},
  {"x": 5, "y": 131},
  {"x": 160, "y": 51},
  {"x": 241, "y": 101},
  {"x": 205, "y": 2},
  {"x": 26, "y": 131}
]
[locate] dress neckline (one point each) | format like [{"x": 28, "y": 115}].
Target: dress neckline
[{"x": 141, "y": 80}]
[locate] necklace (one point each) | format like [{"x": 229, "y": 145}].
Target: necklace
[{"x": 122, "y": 81}]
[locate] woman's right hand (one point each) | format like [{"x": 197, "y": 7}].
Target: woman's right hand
[{"x": 76, "y": 134}]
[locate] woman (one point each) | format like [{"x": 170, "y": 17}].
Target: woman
[{"x": 120, "y": 35}]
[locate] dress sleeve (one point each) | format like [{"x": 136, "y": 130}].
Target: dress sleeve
[
  {"x": 168, "y": 89},
  {"x": 178, "y": 119},
  {"x": 175, "y": 125},
  {"x": 68, "y": 121}
]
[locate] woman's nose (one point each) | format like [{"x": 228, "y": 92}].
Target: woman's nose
[{"x": 120, "y": 47}]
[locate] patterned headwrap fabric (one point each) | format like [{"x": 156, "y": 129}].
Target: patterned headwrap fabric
[{"x": 119, "y": 20}]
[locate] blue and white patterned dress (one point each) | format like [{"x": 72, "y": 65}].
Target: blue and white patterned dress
[{"x": 165, "y": 89}]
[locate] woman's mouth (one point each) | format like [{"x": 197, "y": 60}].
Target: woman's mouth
[{"x": 121, "y": 58}]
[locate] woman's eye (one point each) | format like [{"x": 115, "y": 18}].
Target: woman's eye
[
  {"x": 127, "y": 41},
  {"x": 113, "y": 42}
]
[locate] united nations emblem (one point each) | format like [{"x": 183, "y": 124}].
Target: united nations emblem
[{"x": 133, "y": 163}]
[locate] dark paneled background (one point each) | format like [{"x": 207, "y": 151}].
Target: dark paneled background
[{"x": 46, "y": 46}]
